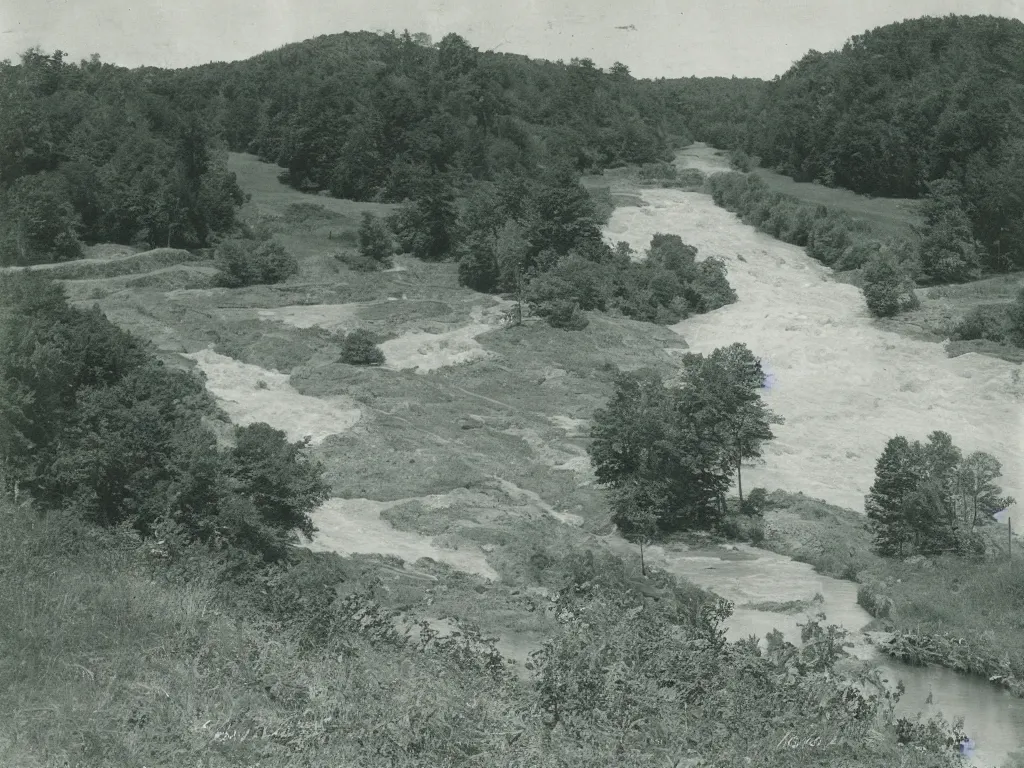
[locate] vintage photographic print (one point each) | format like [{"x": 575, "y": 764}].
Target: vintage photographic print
[{"x": 439, "y": 384}]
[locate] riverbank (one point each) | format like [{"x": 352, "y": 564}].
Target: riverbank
[{"x": 963, "y": 615}]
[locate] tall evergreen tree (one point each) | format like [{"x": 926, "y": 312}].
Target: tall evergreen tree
[{"x": 897, "y": 473}]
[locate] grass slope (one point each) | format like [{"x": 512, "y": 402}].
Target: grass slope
[{"x": 888, "y": 217}]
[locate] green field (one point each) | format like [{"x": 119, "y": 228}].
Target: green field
[{"x": 888, "y": 217}]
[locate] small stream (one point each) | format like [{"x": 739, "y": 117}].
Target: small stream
[
  {"x": 993, "y": 717},
  {"x": 844, "y": 387}
]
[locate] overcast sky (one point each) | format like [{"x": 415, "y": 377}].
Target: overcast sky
[{"x": 655, "y": 38}]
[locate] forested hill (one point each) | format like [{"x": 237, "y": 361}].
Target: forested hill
[
  {"x": 904, "y": 105},
  {"x": 89, "y": 152},
  {"x": 370, "y": 116},
  {"x": 716, "y": 110}
]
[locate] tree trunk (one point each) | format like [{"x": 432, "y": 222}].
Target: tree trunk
[
  {"x": 21, "y": 242},
  {"x": 643, "y": 567},
  {"x": 519, "y": 296},
  {"x": 739, "y": 480}
]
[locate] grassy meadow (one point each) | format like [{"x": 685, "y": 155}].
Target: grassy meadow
[{"x": 888, "y": 217}]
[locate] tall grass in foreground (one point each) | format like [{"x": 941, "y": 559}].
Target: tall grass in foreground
[
  {"x": 111, "y": 660},
  {"x": 106, "y": 663}
]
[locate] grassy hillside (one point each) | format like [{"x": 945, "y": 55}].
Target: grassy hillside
[{"x": 887, "y": 217}]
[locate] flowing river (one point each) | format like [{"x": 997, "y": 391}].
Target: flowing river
[{"x": 844, "y": 387}]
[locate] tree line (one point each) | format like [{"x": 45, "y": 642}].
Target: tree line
[
  {"x": 928, "y": 107},
  {"x": 890, "y": 268},
  {"x": 378, "y": 117}
]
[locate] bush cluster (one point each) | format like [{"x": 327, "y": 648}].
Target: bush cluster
[
  {"x": 658, "y": 172},
  {"x": 375, "y": 246},
  {"x": 115, "y": 436},
  {"x": 666, "y": 287},
  {"x": 253, "y": 262},
  {"x": 988, "y": 322},
  {"x": 540, "y": 240},
  {"x": 832, "y": 237},
  {"x": 998, "y": 323},
  {"x": 359, "y": 347}
]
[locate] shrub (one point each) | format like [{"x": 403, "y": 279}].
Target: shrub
[
  {"x": 887, "y": 290},
  {"x": 756, "y": 502},
  {"x": 856, "y": 255},
  {"x": 985, "y": 322},
  {"x": 690, "y": 177},
  {"x": 563, "y": 313},
  {"x": 828, "y": 238},
  {"x": 1015, "y": 320},
  {"x": 354, "y": 259},
  {"x": 780, "y": 221},
  {"x": 250, "y": 262},
  {"x": 711, "y": 286},
  {"x": 740, "y": 161},
  {"x": 757, "y": 534},
  {"x": 876, "y": 604},
  {"x": 375, "y": 241},
  {"x": 665, "y": 171},
  {"x": 359, "y": 347}
]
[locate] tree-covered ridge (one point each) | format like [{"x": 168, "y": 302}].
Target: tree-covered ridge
[
  {"x": 905, "y": 105},
  {"x": 369, "y": 116},
  {"x": 92, "y": 152},
  {"x": 715, "y": 110}
]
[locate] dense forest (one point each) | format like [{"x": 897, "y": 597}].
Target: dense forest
[
  {"x": 91, "y": 421},
  {"x": 89, "y": 153},
  {"x": 370, "y": 116},
  {"x": 926, "y": 107}
]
